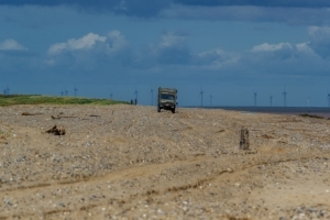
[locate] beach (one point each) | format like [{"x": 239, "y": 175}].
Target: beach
[{"x": 131, "y": 162}]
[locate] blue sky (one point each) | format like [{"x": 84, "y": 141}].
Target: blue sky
[{"x": 228, "y": 49}]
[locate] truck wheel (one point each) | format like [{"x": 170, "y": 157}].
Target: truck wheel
[
  {"x": 173, "y": 110},
  {"x": 158, "y": 109}
]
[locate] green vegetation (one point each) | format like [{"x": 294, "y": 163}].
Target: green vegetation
[
  {"x": 6, "y": 100},
  {"x": 311, "y": 116}
]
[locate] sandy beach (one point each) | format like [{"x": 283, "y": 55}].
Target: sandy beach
[{"x": 131, "y": 162}]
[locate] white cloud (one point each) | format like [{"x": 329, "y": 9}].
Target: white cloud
[
  {"x": 172, "y": 39},
  {"x": 172, "y": 49},
  {"x": 280, "y": 51},
  {"x": 314, "y": 31},
  {"x": 271, "y": 47},
  {"x": 320, "y": 40},
  {"x": 86, "y": 42},
  {"x": 11, "y": 44},
  {"x": 216, "y": 58},
  {"x": 90, "y": 50},
  {"x": 283, "y": 59},
  {"x": 57, "y": 48},
  {"x": 284, "y": 50},
  {"x": 115, "y": 41},
  {"x": 304, "y": 48}
]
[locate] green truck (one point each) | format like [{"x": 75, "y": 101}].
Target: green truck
[{"x": 167, "y": 99}]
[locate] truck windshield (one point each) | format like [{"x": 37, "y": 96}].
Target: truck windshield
[{"x": 167, "y": 96}]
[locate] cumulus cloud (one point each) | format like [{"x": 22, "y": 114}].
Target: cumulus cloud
[
  {"x": 320, "y": 40},
  {"x": 11, "y": 44},
  {"x": 172, "y": 49},
  {"x": 89, "y": 49},
  {"x": 283, "y": 59},
  {"x": 284, "y": 50},
  {"x": 15, "y": 57},
  {"x": 116, "y": 41},
  {"x": 86, "y": 42},
  {"x": 12, "y": 48},
  {"x": 265, "y": 47},
  {"x": 280, "y": 51},
  {"x": 216, "y": 59},
  {"x": 304, "y": 48}
]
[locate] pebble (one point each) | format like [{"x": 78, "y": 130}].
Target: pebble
[{"x": 238, "y": 184}]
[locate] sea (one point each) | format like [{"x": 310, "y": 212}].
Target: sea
[{"x": 319, "y": 111}]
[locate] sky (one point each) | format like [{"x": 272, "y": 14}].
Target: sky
[{"x": 227, "y": 49}]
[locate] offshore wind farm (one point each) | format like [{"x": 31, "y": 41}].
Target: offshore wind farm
[{"x": 147, "y": 96}]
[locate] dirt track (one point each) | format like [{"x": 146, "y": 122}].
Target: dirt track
[{"x": 130, "y": 162}]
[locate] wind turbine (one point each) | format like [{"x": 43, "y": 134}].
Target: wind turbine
[
  {"x": 152, "y": 96},
  {"x": 284, "y": 96},
  {"x": 111, "y": 96},
  {"x": 66, "y": 92},
  {"x": 75, "y": 91},
  {"x": 6, "y": 91},
  {"x": 201, "y": 95},
  {"x": 255, "y": 94},
  {"x": 308, "y": 101},
  {"x": 136, "y": 93},
  {"x": 211, "y": 99},
  {"x": 271, "y": 100}
]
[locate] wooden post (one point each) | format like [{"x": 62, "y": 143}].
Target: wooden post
[{"x": 244, "y": 143}]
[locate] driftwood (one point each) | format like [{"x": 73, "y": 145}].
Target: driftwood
[
  {"x": 30, "y": 114},
  {"x": 244, "y": 143},
  {"x": 60, "y": 116},
  {"x": 54, "y": 130}
]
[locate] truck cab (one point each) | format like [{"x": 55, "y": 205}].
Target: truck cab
[{"x": 166, "y": 99}]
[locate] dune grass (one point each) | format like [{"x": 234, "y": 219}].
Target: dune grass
[
  {"x": 7, "y": 100},
  {"x": 311, "y": 116}
]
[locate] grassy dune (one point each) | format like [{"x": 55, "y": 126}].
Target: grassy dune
[{"x": 6, "y": 100}]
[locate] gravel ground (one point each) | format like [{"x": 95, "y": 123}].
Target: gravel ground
[{"x": 131, "y": 162}]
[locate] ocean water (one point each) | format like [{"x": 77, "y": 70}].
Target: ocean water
[{"x": 320, "y": 111}]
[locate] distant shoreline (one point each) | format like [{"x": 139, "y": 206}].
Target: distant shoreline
[{"x": 320, "y": 111}]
